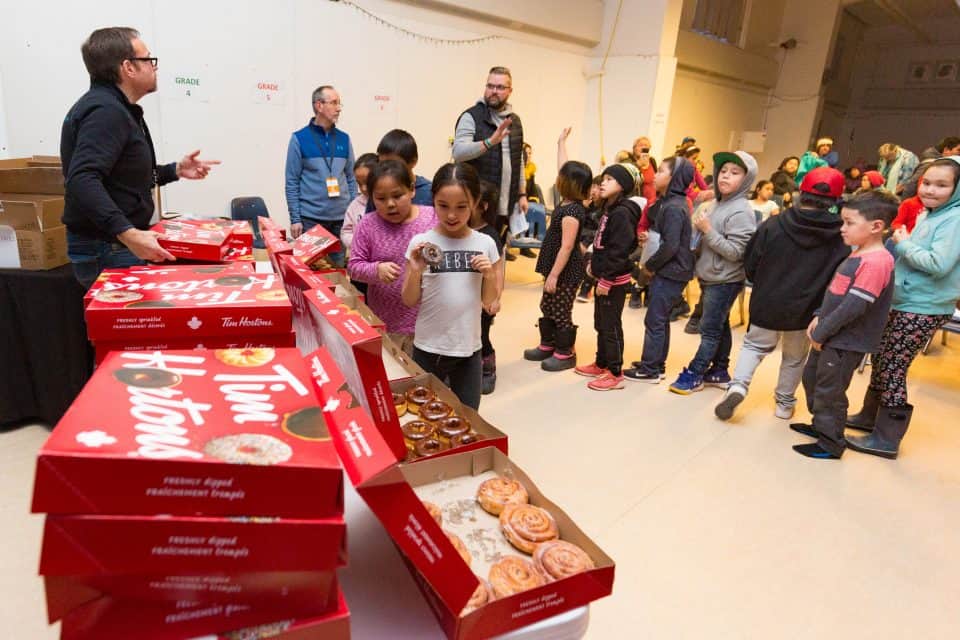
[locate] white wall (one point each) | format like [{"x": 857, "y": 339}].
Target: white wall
[
  {"x": 300, "y": 44},
  {"x": 4, "y": 144}
]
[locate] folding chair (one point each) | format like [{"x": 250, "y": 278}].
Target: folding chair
[{"x": 249, "y": 209}]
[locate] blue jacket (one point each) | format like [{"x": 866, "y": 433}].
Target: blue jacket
[
  {"x": 927, "y": 273},
  {"x": 309, "y": 164}
]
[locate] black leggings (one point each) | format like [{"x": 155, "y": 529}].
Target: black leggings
[
  {"x": 608, "y": 321},
  {"x": 558, "y": 306},
  {"x": 464, "y": 373},
  {"x": 486, "y": 347}
]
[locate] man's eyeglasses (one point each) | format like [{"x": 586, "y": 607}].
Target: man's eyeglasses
[
  {"x": 497, "y": 87},
  {"x": 335, "y": 103},
  {"x": 152, "y": 61}
]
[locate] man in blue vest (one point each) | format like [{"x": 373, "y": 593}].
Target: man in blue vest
[
  {"x": 490, "y": 137},
  {"x": 319, "y": 175}
]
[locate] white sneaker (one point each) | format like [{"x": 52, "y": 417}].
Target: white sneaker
[{"x": 784, "y": 412}]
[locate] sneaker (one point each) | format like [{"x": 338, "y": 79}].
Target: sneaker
[
  {"x": 784, "y": 412},
  {"x": 813, "y": 450},
  {"x": 590, "y": 370},
  {"x": 583, "y": 297},
  {"x": 733, "y": 397},
  {"x": 636, "y": 364},
  {"x": 687, "y": 382},
  {"x": 805, "y": 429},
  {"x": 693, "y": 326},
  {"x": 636, "y": 300},
  {"x": 663, "y": 373},
  {"x": 639, "y": 375},
  {"x": 716, "y": 378},
  {"x": 509, "y": 256},
  {"x": 606, "y": 382}
]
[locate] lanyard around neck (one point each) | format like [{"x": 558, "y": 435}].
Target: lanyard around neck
[{"x": 329, "y": 145}]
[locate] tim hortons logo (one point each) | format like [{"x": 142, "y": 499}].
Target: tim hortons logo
[
  {"x": 203, "y": 292},
  {"x": 164, "y": 416}
]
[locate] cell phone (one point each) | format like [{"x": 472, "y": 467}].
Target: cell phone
[{"x": 645, "y": 150}]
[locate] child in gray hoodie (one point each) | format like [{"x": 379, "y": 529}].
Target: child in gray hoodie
[{"x": 726, "y": 226}]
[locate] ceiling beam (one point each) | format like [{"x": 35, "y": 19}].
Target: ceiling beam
[{"x": 892, "y": 9}]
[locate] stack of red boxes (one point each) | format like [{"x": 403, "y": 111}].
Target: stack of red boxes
[
  {"x": 187, "y": 307},
  {"x": 209, "y": 240},
  {"x": 193, "y": 492},
  {"x": 275, "y": 240}
]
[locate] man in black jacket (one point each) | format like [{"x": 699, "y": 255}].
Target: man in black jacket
[
  {"x": 790, "y": 261},
  {"x": 109, "y": 164}
]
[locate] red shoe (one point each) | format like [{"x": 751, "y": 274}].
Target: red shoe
[
  {"x": 606, "y": 382},
  {"x": 590, "y": 370}
]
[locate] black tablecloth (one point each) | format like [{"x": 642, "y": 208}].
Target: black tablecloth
[{"x": 45, "y": 358}]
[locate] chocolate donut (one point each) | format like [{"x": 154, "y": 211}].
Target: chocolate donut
[
  {"x": 452, "y": 426},
  {"x": 432, "y": 254},
  {"x": 435, "y": 410},
  {"x": 417, "y": 430},
  {"x": 418, "y": 396},
  {"x": 428, "y": 447},
  {"x": 399, "y": 403},
  {"x": 465, "y": 439}
]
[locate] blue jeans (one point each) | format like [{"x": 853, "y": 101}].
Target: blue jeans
[
  {"x": 334, "y": 227},
  {"x": 90, "y": 256},
  {"x": 662, "y": 295},
  {"x": 716, "y": 340},
  {"x": 465, "y": 373}
]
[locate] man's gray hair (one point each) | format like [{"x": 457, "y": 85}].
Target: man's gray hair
[{"x": 318, "y": 95}]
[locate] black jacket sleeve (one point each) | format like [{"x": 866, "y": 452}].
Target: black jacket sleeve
[
  {"x": 619, "y": 239},
  {"x": 670, "y": 227},
  {"x": 100, "y": 138},
  {"x": 753, "y": 253},
  {"x": 166, "y": 173}
]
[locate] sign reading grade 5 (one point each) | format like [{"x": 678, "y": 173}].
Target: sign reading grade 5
[{"x": 269, "y": 92}]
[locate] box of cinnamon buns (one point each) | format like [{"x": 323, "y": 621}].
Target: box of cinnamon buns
[
  {"x": 490, "y": 551},
  {"x": 221, "y": 432},
  {"x": 435, "y": 423},
  {"x": 356, "y": 350},
  {"x": 180, "y": 301},
  {"x": 109, "y": 619}
]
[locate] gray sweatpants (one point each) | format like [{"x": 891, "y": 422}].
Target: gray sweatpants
[{"x": 758, "y": 343}]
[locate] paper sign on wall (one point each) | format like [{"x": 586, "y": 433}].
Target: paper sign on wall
[
  {"x": 269, "y": 92},
  {"x": 383, "y": 103},
  {"x": 186, "y": 85}
]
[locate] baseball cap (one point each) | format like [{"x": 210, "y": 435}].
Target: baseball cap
[
  {"x": 723, "y": 157},
  {"x": 823, "y": 181}
]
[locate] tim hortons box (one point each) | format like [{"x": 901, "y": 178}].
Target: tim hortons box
[
  {"x": 133, "y": 545},
  {"x": 239, "y": 233},
  {"x": 176, "y": 302},
  {"x": 111, "y": 619},
  {"x": 333, "y": 626},
  {"x": 193, "y": 239},
  {"x": 523, "y": 591},
  {"x": 356, "y": 350},
  {"x": 223, "y": 432},
  {"x": 396, "y": 362},
  {"x": 276, "y": 247},
  {"x": 106, "y": 274},
  {"x": 311, "y": 247},
  {"x": 281, "y": 588},
  {"x": 268, "y": 225},
  {"x": 283, "y": 340}
]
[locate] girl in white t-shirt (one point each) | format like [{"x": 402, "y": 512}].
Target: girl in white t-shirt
[
  {"x": 761, "y": 201},
  {"x": 450, "y": 275}
]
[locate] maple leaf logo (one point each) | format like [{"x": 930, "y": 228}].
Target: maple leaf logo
[
  {"x": 332, "y": 405},
  {"x": 195, "y": 323},
  {"x": 95, "y": 439},
  {"x": 131, "y": 279}
]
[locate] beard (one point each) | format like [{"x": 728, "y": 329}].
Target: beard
[{"x": 494, "y": 102}]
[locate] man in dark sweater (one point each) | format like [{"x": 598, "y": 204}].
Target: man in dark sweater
[
  {"x": 109, "y": 163},
  {"x": 790, "y": 260}
]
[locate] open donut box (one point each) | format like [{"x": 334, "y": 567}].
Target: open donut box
[
  {"x": 313, "y": 245},
  {"x": 391, "y": 489}
]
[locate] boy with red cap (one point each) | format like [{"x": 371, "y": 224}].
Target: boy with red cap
[{"x": 789, "y": 260}]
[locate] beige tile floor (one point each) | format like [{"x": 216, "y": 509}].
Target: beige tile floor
[{"x": 719, "y": 529}]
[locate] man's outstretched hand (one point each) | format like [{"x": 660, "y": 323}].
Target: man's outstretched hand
[{"x": 193, "y": 168}]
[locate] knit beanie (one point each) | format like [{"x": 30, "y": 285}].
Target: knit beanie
[
  {"x": 625, "y": 174},
  {"x": 875, "y": 178}
]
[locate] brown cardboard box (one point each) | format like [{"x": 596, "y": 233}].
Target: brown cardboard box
[
  {"x": 46, "y": 180},
  {"x": 35, "y": 161},
  {"x": 41, "y": 237}
]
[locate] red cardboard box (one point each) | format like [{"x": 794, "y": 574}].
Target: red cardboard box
[
  {"x": 314, "y": 244},
  {"x": 333, "y": 626},
  {"x": 109, "y": 619},
  {"x": 356, "y": 349},
  {"x": 131, "y": 545},
  {"x": 176, "y": 302},
  {"x": 193, "y": 432},
  {"x": 392, "y": 492},
  {"x": 283, "y": 340},
  {"x": 193, "y": 239},
  {"x": 276, "y": 247},
  {"x": 106, "y": 274},
  {"x": 268, "y": 225},
  {"x": 282, "y": 588}
]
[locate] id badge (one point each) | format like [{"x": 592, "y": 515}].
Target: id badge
[{"x": 333, "y": 187}]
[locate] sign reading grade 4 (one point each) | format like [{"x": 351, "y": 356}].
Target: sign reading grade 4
[{"x": 187, "y": 85}]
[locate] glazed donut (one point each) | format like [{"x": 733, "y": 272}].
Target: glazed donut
[
  {"x": 428, "y": 447},
  {"x": 417, "y": 430},
  {"x": 435, "y": 410},
  {"x": 464, "y": 439},
  {"x": 460, "y": 547},
  {"x": 480, "y": 597},
  {"x": 452, "y": 426},
  {"x": 417, "y": 397},
  {"x": 525, "y": 526},
  {"x": 557, "y": 559},
  {"x": 432, "y": 254},
  {"x": 513, "y": 575},
  {"x": 494, "y": 494},
  {"x": 400, "y": 404},
  {"x": 434, "y": 511}
]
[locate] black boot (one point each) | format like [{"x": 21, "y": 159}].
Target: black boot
[
  {"x": 865, "y": 420},
  {"x": 564, "y": 357},
  {"x": 489, "y": 380},
  {"x": 527, "y": 252},
  {"x": 548, "y": 336},
  {"x": 636, "y": 298},
  {"x": 888, "y": 431}
]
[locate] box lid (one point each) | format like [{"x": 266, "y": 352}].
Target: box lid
[
  {"x": 314, "y": 244},
  {"x": 247, "y": 418},
  {"x": 373, "y": 469},
  {"x": 194, "y": 231},
  {"x": 31, "y": 212}
]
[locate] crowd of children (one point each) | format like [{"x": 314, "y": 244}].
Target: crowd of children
[{"x": 827, "y": 284}]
